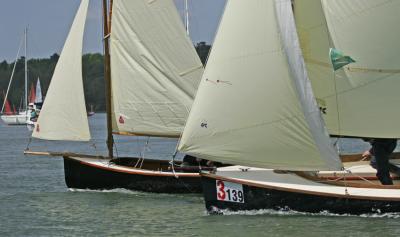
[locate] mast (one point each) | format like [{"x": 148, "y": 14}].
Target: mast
[
  {"x": 187, "y": 17},
  {"x": 107, "y": 76},
  {"x": 26, "y": 71},
  {"x": 12, "y": 74}
]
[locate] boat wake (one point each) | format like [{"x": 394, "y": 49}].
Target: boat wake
[
  {"x": 139, "y": 193},
  {"x": 117, "y": 190},
  {"x": 288, "y": 212}
]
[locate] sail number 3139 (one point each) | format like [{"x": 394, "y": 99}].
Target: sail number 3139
[{"x": 229, "y": 192}]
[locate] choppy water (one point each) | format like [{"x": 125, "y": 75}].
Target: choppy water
[{"x": 34, "y": 201}]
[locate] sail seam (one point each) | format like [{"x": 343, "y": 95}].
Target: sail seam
[{"x": 260, "y": 124}]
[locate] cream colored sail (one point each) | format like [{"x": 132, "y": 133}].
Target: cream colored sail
[
  {"x": 359, "y": 100},
  {"x": 63, "y": 116},
  {"x": 255, "y": 106},
  {"x": 155, "y": 70}
]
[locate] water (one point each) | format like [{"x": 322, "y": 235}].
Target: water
[{"x": 34, "y": 201}]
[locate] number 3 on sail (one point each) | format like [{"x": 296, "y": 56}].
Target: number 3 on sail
[{"x": 229, "y": 192}]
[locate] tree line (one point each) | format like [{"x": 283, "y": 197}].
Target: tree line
[{"x": 92, "y": 69}]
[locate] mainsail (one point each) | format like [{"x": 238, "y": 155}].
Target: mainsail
[
  {"x": 255, "y": 105},
  {"x": 63, "y": 116},
  {"x": 155, "y": 70},
  {"x": 359, "y": 100}
]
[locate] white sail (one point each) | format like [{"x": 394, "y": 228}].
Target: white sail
[
  {"x": 38, "y": 98},
  {"x": 155, "y": 70},
  {"x": 63, "y": 116},
  {"x": 255, "y": 106},
  {"x": 359, "y": 100}
]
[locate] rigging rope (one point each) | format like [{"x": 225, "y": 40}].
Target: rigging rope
[{"x": 142, "y": 154}]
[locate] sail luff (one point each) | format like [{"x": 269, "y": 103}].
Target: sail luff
[{"x": 63, "y": 115}]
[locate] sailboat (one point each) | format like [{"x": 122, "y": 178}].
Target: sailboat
[
  {"x": 275, "y": 132},
  {"x": 38, "y": 102},
  {"x": 35, "y": 104},
  {"x": 151, "y": 78},
  {"x": 7, "y": 107},
  {"x": 23, "y": 115}
]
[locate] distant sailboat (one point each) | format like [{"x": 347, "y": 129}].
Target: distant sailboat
[
  {"x": 276, "y": 123},
  {"x": 23, "y": 115},
  {"x": 35, "y": 104},
  {"x": 38, "y": 95},
  {"x": 154, "y": 76},
  {"x": 7, "y": 107}
]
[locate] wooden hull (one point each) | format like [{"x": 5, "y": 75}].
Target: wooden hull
[
  {"x": 83, "y": 173},
  {"x": 297, "y": 194}
]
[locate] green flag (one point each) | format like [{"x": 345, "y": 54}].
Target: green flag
[{"x": 338, "y": 59}]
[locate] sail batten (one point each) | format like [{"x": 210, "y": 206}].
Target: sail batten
[
  {"x": 250, "y": 110},
  {"x": 155, "y": 69},
  {"x": 63, "y": 115}
]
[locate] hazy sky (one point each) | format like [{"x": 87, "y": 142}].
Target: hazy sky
[{"x": 49, "y": 21}]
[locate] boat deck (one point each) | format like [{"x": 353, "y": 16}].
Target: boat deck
[{"x": 288, "y": 181}]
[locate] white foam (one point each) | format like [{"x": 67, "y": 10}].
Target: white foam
[
  {"x": 117, "y": 190},
  {"x": 288, "y": 212}
]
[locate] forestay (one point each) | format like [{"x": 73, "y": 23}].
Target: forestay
[
  {"x": 255, "y": 106},
  {"x": 63, "y": 116},
  {"x": 359, "y": 100},
  {"x": 155, "y": 70}
]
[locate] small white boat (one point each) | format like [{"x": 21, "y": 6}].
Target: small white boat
[{"x": 16, "y": 119}]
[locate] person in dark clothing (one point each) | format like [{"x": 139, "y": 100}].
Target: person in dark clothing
[
  {"x": 189, "y": 160},
  {"x": 381, "y": 148}
]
